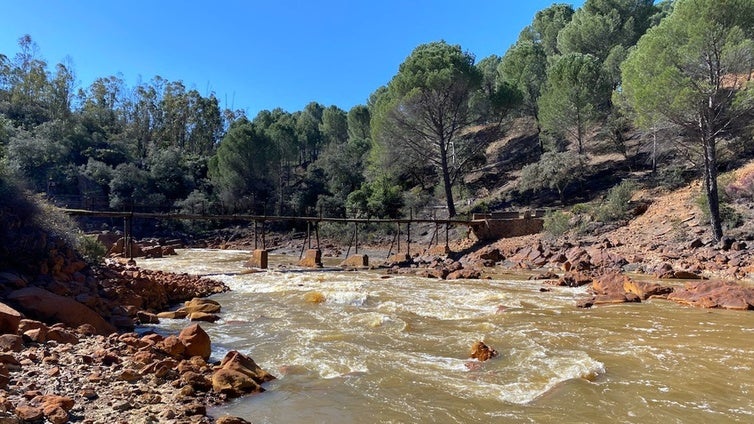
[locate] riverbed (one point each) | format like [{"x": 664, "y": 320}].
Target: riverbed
[{"x": 366, "y": 347}]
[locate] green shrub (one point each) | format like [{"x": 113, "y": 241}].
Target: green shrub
[
  {"x": 582, "y": 209},
  {"x": 554, "y": 171},
  {"x": 91, "y": 249},
  {"x": 616, "y": 205},
  {"x": 729, "y": 217},
  {"x": 672, "y": 177},
  {"x": 557, "y": 223}
]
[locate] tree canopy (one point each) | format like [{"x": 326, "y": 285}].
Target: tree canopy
[
  {"x": 694, "y": 69},
  {"x": 426, "y": 108}
]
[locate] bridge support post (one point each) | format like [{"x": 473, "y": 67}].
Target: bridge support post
[
  {"x": 408, "y": 232},
  {"x": 259, "y": 259},
  {"x": 312, "y": 259}
]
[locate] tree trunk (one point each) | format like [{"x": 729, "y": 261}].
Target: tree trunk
[
  {"x": 710, "y": 185},
  {"x": 446, "y": 182}
]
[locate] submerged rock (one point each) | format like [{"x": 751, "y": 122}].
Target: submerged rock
[{"x": 482, "y": 352}]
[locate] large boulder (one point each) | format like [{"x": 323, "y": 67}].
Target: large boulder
[
  {"x": 715, "y": 294},
  {"x": 45, "y": 306},
  {"x": 200, "y": 305},
  {"x": 237, "y": 361},
  {"x": 197, "y": 342},
  {"x": 9, "y": 319},
  {"x": 238, "y": 375},
  {"x": 233, "y": 383}
]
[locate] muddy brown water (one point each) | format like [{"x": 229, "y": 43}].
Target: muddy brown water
[{"x": 395, "y": 350}]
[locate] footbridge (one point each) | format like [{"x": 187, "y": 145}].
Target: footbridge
[{"x": 489, "y": 226}]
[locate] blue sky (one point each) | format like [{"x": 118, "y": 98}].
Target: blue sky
[{"x": 257, "y": 55}]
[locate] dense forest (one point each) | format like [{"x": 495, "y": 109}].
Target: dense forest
[{"x": 603, "y": 75}]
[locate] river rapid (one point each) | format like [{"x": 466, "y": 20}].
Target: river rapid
[{"x": 394, "y": 349}]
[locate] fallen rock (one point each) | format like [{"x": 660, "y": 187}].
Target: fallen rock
[{"x": 197, "y": 341}]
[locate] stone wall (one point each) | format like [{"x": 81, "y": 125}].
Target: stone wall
[{"x": 494, "y": 229}]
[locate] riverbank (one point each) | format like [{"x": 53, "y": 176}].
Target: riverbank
[{"x": 80, "y": 361}]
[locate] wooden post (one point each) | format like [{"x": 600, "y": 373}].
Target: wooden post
[
  {"x": 264, "y": 243},
  {"x": 128, "y": 241},
  {"x": 398, "y": 247},
  {"x": 316, "y": 232},
  {"x": 356, "y": 237},
  {"x": 447, "y": 225},
  {"x": 408, "y": 231},
  {"x": 309, "y": 233},
  {"x": 255, "y": 235}
]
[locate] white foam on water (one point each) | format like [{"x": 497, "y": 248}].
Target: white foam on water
[
  {"x": 374, "y": 321},
  {"x": 349, "y": 298}
]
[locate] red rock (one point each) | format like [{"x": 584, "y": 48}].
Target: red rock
[
  {"x": 57, "y": 416},
  {"x": 234, "y": 383},
  {"x": 482, "y": 352},
  {"x": 201, "y": 305},
  {"x": 50, "y": 307},
  {"x": 197, "y": 341},
  {"x": 235, "y": 360},
  {"x": 715, "y": 294},
  {"x": 197, "y": 381},
  {"x": 145, "y": 317},
  {"x": 62, "y": 336},
  {"x": 172, "y": 315},
  {"x": 203, "y": 317},
  {"x": 549, "y": 275},
  {"x": 36, "y": 335},
  {"x": 465, "y": 273},
  {"x": 609, "y": 283},
  {"x": 574, "y": 279},
  {"x": 644, "y": 290},
  {"x": 172, "y": 346},
  {"x": 54, "y": 401},
  {"x": 227, "y": 419},
  {"x": 9, "y": 319},
  {"x": 685, "y": 275},
  {"x": 11, "y": 343},
  {"x": 29, "y": 413}
]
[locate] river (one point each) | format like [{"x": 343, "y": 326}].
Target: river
[{"x": 394, "y": 349}]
